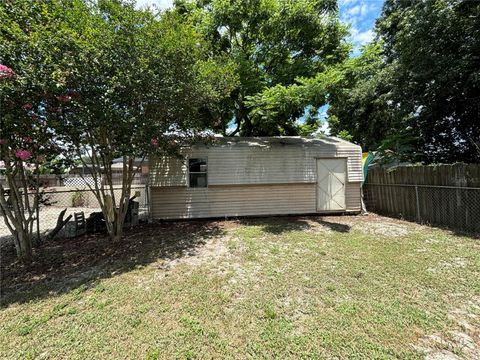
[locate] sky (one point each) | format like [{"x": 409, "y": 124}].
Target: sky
[
  {"x": 161, "y": 4},
  {"x": 359, "y": 14}
]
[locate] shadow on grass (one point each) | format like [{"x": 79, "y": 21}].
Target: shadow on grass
[
  {"x": 455, "y": 230},
  {"x": 337, "y": 227},
  {"x": 63, "y": 265},
  {"x": 278, "y": 225}
]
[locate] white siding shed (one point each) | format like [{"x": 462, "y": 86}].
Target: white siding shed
[{"x": 235, "y": 176}]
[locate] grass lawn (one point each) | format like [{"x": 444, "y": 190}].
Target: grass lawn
[{"x": 314, "y": 287}]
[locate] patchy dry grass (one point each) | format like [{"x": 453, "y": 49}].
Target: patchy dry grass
[{"x": 330, "y": 287}]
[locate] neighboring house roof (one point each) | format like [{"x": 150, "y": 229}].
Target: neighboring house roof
[
  {"x": 119, "y": 165},
  {"x": 136, "y": 161}
]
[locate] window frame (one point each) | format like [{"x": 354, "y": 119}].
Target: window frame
[{"x": 197, "y": 172}]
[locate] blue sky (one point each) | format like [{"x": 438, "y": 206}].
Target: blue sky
[{"x": 359, "y": 14}]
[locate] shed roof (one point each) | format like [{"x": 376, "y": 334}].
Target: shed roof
[{"x": 325, "y": 141}]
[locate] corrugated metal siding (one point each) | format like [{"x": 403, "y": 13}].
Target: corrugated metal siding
[
  {"x": 168, "y": 171},
  {"x": 220, "y": 201},
  {"x": 243, "y": 200},
  {"x": 353, "y": 196},
  {"x": 241, "y": 165}
]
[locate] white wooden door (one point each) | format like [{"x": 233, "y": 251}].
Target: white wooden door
[{"x": 331, "y": 177}]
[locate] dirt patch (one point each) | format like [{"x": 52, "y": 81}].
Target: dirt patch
[
  {"x": 62, "y": 264},
  {"x": 393, "y": 230},
  {"x": 316, "y": 227},
  {"x": 214, "y": 250},
  {"x": 454, "y": 263},
  {"x": 442, "y": 355},
  {"x": 464, "y": 339},
  {"x": 369, "y": 224}
]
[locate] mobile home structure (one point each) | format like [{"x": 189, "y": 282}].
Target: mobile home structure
[{"x": 255, "y": 176}]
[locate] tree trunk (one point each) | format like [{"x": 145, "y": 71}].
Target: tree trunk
[
  {"x": 244, "y": 122},
  {"x": 60, "y": 224},
  {"x": 24, "y": 245},
  {"x": 117, "y": 230},
  {"x": 114, "y": 209},
  {"x": 18, "y": 214},
  {"x": 22, "y": 237}
]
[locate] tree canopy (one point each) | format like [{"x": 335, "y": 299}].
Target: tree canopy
[
  {"x": 419, "y": 93},
  {"x": 274, "y": 45},
  {"x": 137, "y": 87}
]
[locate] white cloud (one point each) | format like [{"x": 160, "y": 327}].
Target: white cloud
[
  {"x": 364, "y": 9},
  {"x": 159, "y": 4},
  {"x": 346, "y": 2},
  {"x": 357, "y": 13},
  {"x": 362, "y": 37},
  {"x": 354, "y": 10},
  {"x": 360, "y": 15},
  {"x": 360, "y": 9}
]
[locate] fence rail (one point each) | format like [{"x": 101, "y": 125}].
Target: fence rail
[
  {"x": 73, "y": 180},
  {"x": 75, "y": 200},
  {"x": 438, "y": 198}
]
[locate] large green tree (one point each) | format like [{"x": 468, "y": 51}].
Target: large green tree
[
  {"x": 274, "y": 44},
  {"x": 95, "y": 81},
  {"x": 362, "y": 105},
  {"x": 424, "y": 84},
  {"x": 136, "y": 88}
]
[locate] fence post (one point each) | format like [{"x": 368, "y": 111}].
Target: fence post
[
  {"x": 149, "y": 203},
  {"x": 419, "y": 218},
  {"x": 37, "y": 214}
]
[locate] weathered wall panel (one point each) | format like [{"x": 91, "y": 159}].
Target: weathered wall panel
[
  {"x": 243, "y": 200},
  {"x": 353, "y": 196},
  {"x": 255, "y": 162},
  {"x": 219, "y": 201}
]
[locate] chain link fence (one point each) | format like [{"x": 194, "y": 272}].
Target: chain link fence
[
  {"x": 450, "y": 206},
  {"x": 72, "y": 194}
]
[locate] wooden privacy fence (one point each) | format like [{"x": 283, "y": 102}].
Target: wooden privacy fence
[{"x": 445, "y": 195}]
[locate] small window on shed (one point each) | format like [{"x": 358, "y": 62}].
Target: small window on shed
[{"x": 197, "y": 172}]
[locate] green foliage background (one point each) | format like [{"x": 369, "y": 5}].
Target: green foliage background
[{"x": 416, "y": 90}]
